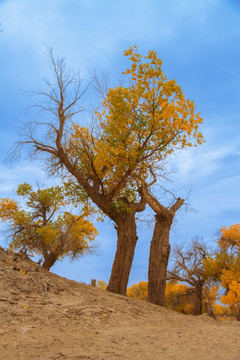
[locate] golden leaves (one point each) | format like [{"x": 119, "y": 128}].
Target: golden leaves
[
  {"x": 47, "y": 228},
  {"x": 138, "y": 126},
  {"x": 230, "y": 275},
  {"x": 230, "y": 237},
  {"x": 8, "y": 208},
  {"x": 233, "y": 296}
]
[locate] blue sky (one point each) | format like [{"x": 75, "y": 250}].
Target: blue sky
[{"x": 199, "y": 43}]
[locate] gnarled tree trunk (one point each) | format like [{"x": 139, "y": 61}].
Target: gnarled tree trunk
[
  {"x": 126, "y": 243},
  {"x": 49, "y": 261},
  {"x": 238, "y": 314},
  {"x": 158, "y": 261},
  {"x": 160, "y": 246},
  {"x": 197, "y": 308}
]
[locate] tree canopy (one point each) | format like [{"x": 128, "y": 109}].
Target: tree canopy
[
  {"x": 224, "y": 266},
  {"x": 230, "y": 277},
  {"x": 46, "y": 228},
  {"x": 230, "y": 238},
  {"x": 139, "y": 125}
]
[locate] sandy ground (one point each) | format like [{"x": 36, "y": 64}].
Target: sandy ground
[{"x": 44, "y": 316}]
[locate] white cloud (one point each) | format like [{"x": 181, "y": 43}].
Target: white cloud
[
  {"x": 195, "y": 163},
  {"x": 10, "y": 177},
  {"x": 212, "y": 159},
  {"x": 95, "y": 29}
]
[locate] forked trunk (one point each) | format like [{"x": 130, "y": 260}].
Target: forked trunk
[
  {"x": 197, "y": 308},
  {"x": 49, "y": 261},
  {"x": 160, "y": 247},
  {"x": 126, "y": 243},
  {"x": 158, "y": 261}
]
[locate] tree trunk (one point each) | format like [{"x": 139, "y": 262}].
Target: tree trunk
[
  {"x": 49, "y": 261},
  {"x": 210, "y": 310},
  {"x": 126, "y": 243},
  {"x": 197, "y": 309},
  {"x": 160, "y": 247},
  {"x": 238, "y": 314},
  {"x": 158, "y": 261}
]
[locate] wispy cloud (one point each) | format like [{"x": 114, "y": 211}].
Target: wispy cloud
[
  {"x": 22, "y": 172},
  {"x": 94, "y": 29}
]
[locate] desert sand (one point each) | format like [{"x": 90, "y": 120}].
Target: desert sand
[{"x": 44, "y": 316}]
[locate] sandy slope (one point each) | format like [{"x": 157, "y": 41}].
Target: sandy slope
[{"x": 44, "y": 316}]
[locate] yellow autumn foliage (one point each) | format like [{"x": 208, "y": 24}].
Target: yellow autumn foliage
[
  {"x": 233, "y": 296},
  {"x": 230, "y": 237},
  {"x": 178, "y": 296},
  {"x": 230, "y": 279},
  {"x": 7, "y": 209},
  {"x": 138, "y": 291},
  {"x": 139, "y": 125},
  {"x": 47, "y": 229},
  {"x": 101, "y": 284}
]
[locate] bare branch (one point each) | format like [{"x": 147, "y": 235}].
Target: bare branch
[
  {"x": 153, "y": 202},
  {"x": 188, "y": 263},
  {"x": 177, "y": 205}
]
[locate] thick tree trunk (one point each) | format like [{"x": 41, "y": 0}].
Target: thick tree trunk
[
  {"x": 197, "y": 308},
  {"x": 126, "y": 243},
  {"x": 49, "y": 261},
  {"x": 158, "y": 261},
  {"x": 160, "y": 247}
]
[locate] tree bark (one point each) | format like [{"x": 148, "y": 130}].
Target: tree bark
[
  {"x": 238, "y": 314},
  {"x": 160, "y": 246},
  {"x": 210, "y": 310},
  {"x": 158, "y": 261},
  {"x": 197, "y": 308},
  {"x": 126, "y": 243},
  {"x": 49, "y": 261}
]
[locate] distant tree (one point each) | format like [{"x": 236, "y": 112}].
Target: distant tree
[
  {"x": 188, "y": 268},
  {"x": 46, "y": 228},
  {"x": 230, "y": 238},
  {"x": 232, "y": 298},
  {"x": 101, "y": 284},
  {"x": 137, "y": 126},
  {"x": 179, "y": 297},
  {"x": 222, "y": 311},
  {"x": 224, "y": 266},
  {"x": 215, "y": 264},
  {"x": 138, "y": 291}
]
